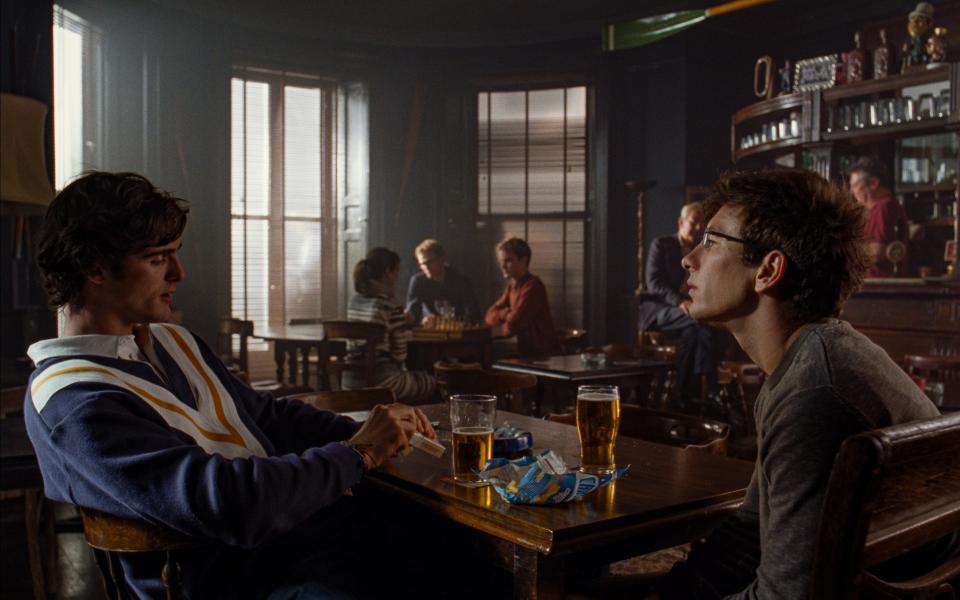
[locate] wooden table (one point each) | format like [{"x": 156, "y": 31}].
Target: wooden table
[
  {"x": 569, "y": 371},
  {"x": 292, "y": 345},
  {"x": 670, "y": 496}
]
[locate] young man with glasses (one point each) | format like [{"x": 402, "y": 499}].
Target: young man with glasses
[{"x": 782, "y": 251}]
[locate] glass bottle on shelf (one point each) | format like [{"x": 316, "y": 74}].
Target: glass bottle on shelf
[
  {"x": 856, "y": 61},
  {"x": 882, "y": 57}
]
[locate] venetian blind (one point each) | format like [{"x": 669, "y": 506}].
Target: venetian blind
[
  {"x": 77, "y": 93},
  {"x": 532, "y": 184},
  {"x": 284, "y": 153}
]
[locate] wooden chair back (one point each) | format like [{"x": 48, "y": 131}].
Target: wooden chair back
[
  {"x": 945, "y": 370},
  {"x": 674, "y": 429},
  {"x": 110, "y": 536},
  {"x": 347, "y": 400},
  {"x": 370, "y": 333},
  {"x": 891, "y": 490},
  {"x": 230, "y": 327}
]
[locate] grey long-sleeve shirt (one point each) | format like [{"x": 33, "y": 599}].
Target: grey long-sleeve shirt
[{"x": 832, "y": 383}]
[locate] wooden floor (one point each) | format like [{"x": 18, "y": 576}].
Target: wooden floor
[{"x": 76, "y": 569}]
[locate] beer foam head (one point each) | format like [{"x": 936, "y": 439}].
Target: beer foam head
[{"x": 597, "y": 396}]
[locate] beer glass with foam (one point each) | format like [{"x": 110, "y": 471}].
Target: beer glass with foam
[
  {"x": 598, "y": 420},
  {"x": 471, "y": 419}
]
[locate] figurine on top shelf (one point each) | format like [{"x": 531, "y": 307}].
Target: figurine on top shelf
[
  {"x": 785, "y": 73},
  {"x": 882, "y": 57},
  {"x": 918, "y": 25},
  {"x": 937, "y": 46},
  {"x": 856, "y": 61}
]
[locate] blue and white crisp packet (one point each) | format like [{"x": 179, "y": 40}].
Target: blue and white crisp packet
[{"x": 541, "y": 479}]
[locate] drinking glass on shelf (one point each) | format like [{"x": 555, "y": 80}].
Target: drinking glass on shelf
[
  {"x": 943, "y": 103},
  {"x": 598, "y": 421},
  {"x": 908, "y": 108},
  {"x": 471, "y": 418},
  {"x": 925, "y": 107}
]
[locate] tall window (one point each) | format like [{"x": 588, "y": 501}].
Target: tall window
[
  {"x": 285, "y": 174},
  {"x": 532, "y": 184},
  {"x": 77, "y": 93}
]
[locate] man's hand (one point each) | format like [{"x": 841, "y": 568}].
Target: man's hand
[
  {"x": 685, "y": 306},
  {"x": 428, "y": 321},
  {"x": 387, "y": 432}
]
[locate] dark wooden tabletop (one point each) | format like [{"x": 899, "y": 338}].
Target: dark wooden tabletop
[
  {"x": 572, "y": 368},
  {"x": 665, "y": 488},
  {"x": 314, "y": 333},
  {"x": 295, "y": 333}
]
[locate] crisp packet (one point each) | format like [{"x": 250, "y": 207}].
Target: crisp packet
[{"x": 542, "y": 479}]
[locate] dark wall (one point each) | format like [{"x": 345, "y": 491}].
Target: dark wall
[{"x": 26, "y": 69}]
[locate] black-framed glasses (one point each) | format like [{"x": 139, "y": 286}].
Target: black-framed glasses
[{"x": 710, "y": 232}]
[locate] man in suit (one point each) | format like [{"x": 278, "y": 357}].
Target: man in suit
[{"x": 669, "y": 307}]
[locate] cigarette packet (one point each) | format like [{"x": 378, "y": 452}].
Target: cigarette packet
[{"x": 434, "y": 449}]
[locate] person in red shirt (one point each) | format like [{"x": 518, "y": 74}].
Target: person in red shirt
[
  {"x": 886, "y": 220},
  {"x": 523, "y": 310}
]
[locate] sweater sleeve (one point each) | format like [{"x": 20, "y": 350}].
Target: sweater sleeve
[
  {"x": 498, "y": 310},
  {"x": 109, "y": 452},
  {"x": 415, "y": 303},
  {"x": 531, "y": 300}
]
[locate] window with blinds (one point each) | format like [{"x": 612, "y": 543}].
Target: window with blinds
[
  {"x": 532, "y": 183},
  {"x": 77, "y": 96},
  {"x": 284, "y": 180}
]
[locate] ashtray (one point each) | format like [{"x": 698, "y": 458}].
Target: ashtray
[
  {"x": 593, "y": 359},
  {"x": 508, "y": 440}
]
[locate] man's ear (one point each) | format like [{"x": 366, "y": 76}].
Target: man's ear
[
  {"x": 772, "y": 269},
  {"x": 96, "y": 274}
]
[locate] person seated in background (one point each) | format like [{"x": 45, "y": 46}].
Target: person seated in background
[
  {"x": 669, "y": 309},
  {"x": 782, "y": 251},
  {"x": 523, "y": 310},
  {"x": 886, "y": 219},
  {"x": 439, "y": 286},
  {"x": 135, "y": 417},
  {"x": 375, "y": 281}
]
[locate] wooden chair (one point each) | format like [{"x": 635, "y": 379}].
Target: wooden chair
[
  {"x": 306, "y": 321},
  {"x": 674, "y": 429},
  {"x": 347, "y": 400},
  {"x": 891, "y": 490},
  {"x": 111, "y": 536},
  {"x": 236, "y": 362},
  {"x": 945, "y": 370},
  {"x": 370, "y": 333},
  {"x": 472, "y": 378}
]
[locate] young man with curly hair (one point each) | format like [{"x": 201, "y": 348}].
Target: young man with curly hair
[
  {"x": 781, "y": 253},
  {"x": 137, "y": 418}
]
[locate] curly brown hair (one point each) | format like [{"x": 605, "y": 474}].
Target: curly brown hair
[
  {"x": 816, "y": 224},
  {"x": 96, "y": 222}
]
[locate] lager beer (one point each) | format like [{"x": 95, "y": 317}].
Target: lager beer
[
  {"x": 598, "y": 420},
  {"x": 472, "y": 448},
  {"x": 471, "y": 419}
]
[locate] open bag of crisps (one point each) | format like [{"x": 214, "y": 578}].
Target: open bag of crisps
[{"x": 542, "y": 478}]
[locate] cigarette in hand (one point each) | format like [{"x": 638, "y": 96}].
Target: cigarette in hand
[{"x": 434, "y": 449}]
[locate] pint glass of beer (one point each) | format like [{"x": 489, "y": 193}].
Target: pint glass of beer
[
  {"x": 598, "y": 420},
  {"x": 471, "y": 418}
]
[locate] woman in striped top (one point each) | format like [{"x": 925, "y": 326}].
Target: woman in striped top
[{"x": 375, "y": 281}]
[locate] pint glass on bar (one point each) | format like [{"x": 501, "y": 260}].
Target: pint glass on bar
[
  {"x": 598, "y": 420},
  {"x": 471, "y": 418}
]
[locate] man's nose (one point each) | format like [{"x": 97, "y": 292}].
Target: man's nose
[
  {"x": 175, "y": 270},
  {"x": 686, "y": 261}
]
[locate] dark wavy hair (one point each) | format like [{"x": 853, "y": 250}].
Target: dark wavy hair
[
  {"x": 373, "y": 268},
  {"x": 96, "y": 222},
  {"x": 817, "y": 225}
]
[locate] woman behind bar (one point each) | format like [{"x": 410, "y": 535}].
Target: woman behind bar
[{"x": 375, "y": 281}]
